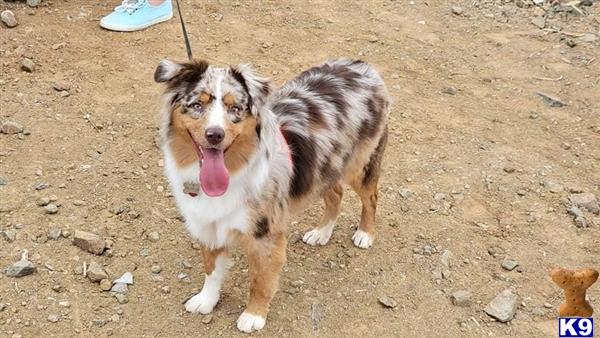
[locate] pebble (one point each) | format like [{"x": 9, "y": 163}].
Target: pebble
[
  {"x": 10, "y": 127},
  {"x": 96, "y": 273},
  {"x": 127, "y": 278},
  {"x": 586, "y": 201},
  {"x": 53, "y": 318},
  {"x": 43, "y": 201},
  {"x": 105, "y": 285},
  {"x": 457, "y": 10},
  {"x": 27, "y": 65},
  {"x": 78, "y": 203},
  {"x": 3, "y": 306},
  {"x": 20, "y": 269},
  {"x": 406, "y": 193},
  {"x": 551, "y": 101},
  {"x": 10, "y": 235},
  {"x": 54, "y": 233},
  {"x": 207, "y": 319},
  {"x": 446, "y": 258},
  {"x": 154, "y": 236},
  {"x": 57, "y": 288},
  {"x": 388, "y": 302},
  {"x": 156, "y": 269},
  {"x": 509, "y": 264},
  {"x": 539, "y": 22},
  {"x": 3, "y": 181},
  {"x": 461, "y": 298},
  {"x": 89, "y": 242},
  {"x": 186, "y": 264},
  {"x": 9, "y": 19},
  {"x": 64, "y": 303},
  {"x": 580, "y": 220},
  {"x": 548, "y": 305},
  {"x": 165, "y": 289},
  {"x": 119, "y": 288},
  {"x": 122, "y": 299},
  {"x": 51, "y": 209},
  {"x": 503, "y": 307},
  {"x": 553, "y": 187},
  {"x": 33, "y": 3},
  {"x": 183, "y": 276},
  {"x": 41, "y": 186}
]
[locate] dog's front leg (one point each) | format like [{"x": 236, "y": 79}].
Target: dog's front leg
[
  {"x": 266, "y": 257},
  {"x": 216, "y": 265}
]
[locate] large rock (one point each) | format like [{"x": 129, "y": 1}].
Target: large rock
[
  {"x": 503, "y": 307},
  {"x": 89, "y": 242},
  {"x": 586, "y": 201},
  {"x": 20, "y": 269}
]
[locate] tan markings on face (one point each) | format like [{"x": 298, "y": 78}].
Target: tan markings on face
[
  {"x": 205, "y": 98},
  {"x": 242, "y": 140},
  {"x": 229, "y": 100},
  {"x": 180, "y": 143}
]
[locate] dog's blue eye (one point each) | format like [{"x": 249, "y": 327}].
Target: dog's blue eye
[
  {"x": 234, "y": 110},
  {"x": 197, "y": 106}
]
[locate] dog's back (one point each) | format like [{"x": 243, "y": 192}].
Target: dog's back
[{"x": 333, "y": 116}]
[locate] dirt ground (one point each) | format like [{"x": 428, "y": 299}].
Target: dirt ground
[{"x": 471, "y": 140}]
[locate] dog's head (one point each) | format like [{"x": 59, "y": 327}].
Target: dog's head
[{"x": 213, "y": 114}]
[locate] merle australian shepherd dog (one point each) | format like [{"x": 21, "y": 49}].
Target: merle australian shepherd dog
[{"x": 241, "y": 157}]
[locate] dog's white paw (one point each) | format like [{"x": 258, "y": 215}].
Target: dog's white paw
[
  {"x": 248, "y": 322},
  {"x": 318, "y": 236},
  {"x": 204, "y": 302},
  {"x": 362, "y": 239}
]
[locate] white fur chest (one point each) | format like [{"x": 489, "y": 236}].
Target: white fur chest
[{"x": 211, "y": 219}]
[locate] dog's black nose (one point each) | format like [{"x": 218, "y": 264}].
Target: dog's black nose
[{"x": 214, "y": 135}]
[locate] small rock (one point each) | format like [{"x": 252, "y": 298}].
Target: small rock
[
  {"x": 89, "y": 242},
  {"x": 127, "y": 278},
  {"x": 27, "y": 65},
  {"x": 64, "y": 93},
  {"x": 51, "y": 209},
  {"x": 9, "y": 19},
  {"x": 388, "y": 302},
  {"x": 144, "y": 252},
  {"x": 207, "y": 319},
  {"x": 539, "y": 22},
  {"x": 553, "y": 187},
  {"x": 156, "y": 269},
  {"x": 3, "y": 181},
  {"x": 406, "y": 193},
  {"x": 586, "y": 201},
  {"x": 64, "y": 303},
  {"x": 54, "y": 233},
  {"x": 548, "y": 305},
  {"x": 571, "y": 43},
  {"x": 20, "y": 269},
  {"x": 509, "y": 170},
  {"x": 503, "y": 307},
  {"x": 58, "y": 288},
  {"x": 154, "y": 236},
  {"x": 9, "y": 235},
  {"x": 41, "y": 186},
  {"x": 165, "y": 289},
  {"x": 551, "y": 101},
  {"x": 105, "y": 285},
  {"x": 9, "y": 127},
  {"x": 33, "y": 3},
  {"x": 446, "y": 258},
  {"x": 186, "y": 264},
  {"x": 120, "y": 288},
  {"x": 450, "y": 90},
  {"x": 96, "y": 273},
  {"x": 183, "y": 277},
  {"x": 53, "y": 318},
  {"x": 461, "y": 298},
  {"x": 589, "y": 37},
  {"x": 509, "y": 264},
  {"x": 43, "y": 201},
  {"x": 78, "y": 203},
  {"x": 121, "y": 298},
  {"x": 457, "y": 10},
  {"x": 3, "y": 306}
]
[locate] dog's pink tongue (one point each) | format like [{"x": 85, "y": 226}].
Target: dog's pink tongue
[{"x": 214, "y": 177}]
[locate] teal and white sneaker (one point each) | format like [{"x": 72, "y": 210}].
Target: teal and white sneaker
[{"x": 134, "y": 15}]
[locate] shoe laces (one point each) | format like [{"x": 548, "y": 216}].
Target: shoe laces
[{"x": 130, "y": 6}]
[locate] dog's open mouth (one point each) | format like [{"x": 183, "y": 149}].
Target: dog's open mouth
[{"x": 214, "y": 176}]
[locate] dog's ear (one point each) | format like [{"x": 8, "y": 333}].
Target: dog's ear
[
  {"x": 257, "y": 87},
  {"x": 167, "y": 70}
]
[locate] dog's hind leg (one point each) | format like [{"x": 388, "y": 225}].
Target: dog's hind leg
[
  {"x": 333, "y": 202},
  {"x": 365, "y": 186}
]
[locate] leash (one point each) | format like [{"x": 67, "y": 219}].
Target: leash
[{"x": 185, "y": 35}]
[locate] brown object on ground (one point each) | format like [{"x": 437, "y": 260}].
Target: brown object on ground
[{"x": 575, "y": 284}]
